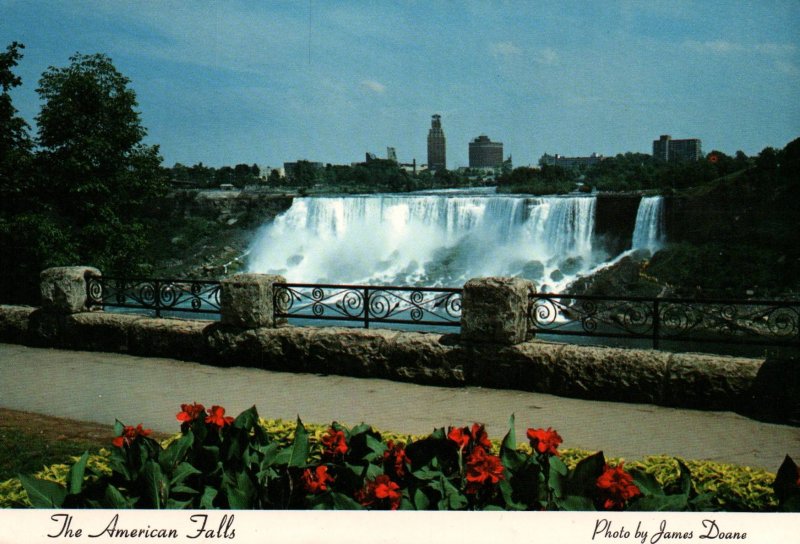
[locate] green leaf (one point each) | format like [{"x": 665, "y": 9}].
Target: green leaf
[
  {"x": 42, "y": 493},
  {"x": 376, "y": 446},
  {"x": 556, "y": 479},
  {"x": 156, "y": 485},
  {"x": 427, "y": 474},
  {"x": 296, "y": 454},
  {"x": 343, "y": 502},
  {"x": 247, "y": 420},
  {"x": 76, "y": 472},
  {"x": 575, "y": 503},
  {"x": 790, "y": 504},
  {"x": 360, "y": 429},
  {"x": 662, "y": 503},
  {"x": 455, "y": 500},
  {"x": 510, "y": 457},
  {"x": 207, "y": 500},
  {"x": 172, "y": 504},
  {"x": 183, "y": 471},
  {"x": 372, "y": 471},
  {"x": 421, "y": 500},
  {"x": 183, "y": 489},
  {"x": 239, "y": 491},
  {"x": 582, "y": 479},
  {"x": 646, "y": 483},
  {"x": 116, "y": 500},
  {"x": 507, "y": 492},
  {"x": 685, "y": 479},
  {"x": 118, "y": 428},
  {"x": 510, "y": 440},
  {"x": 176, "y": 452}
]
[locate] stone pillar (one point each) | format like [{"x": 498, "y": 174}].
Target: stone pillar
[
  {"x": 495, "y": 310},
  {"x": 246, "y": 300},
  {"x": 63, "y": 288},
  {"x": 64, "y": 292}
]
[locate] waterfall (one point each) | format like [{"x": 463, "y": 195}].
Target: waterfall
[
  {"x": 427, "y": 239},
  {"x": 649, "y": 230}
]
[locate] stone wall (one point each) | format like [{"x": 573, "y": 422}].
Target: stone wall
[
  {"x": 493, "y": 350},
  {"x": 600, "y": 373}
]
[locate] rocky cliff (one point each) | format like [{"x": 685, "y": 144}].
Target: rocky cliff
[{"x": 207, "y": 233}]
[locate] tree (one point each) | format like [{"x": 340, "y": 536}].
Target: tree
[
  {"x": 15, "y": 143},
  {"x": 98, "y": 174}
]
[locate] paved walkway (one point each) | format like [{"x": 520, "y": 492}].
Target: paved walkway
[{"x": 102, "y": 387}]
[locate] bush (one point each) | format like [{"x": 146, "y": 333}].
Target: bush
[{"x": 221, "y": 462}]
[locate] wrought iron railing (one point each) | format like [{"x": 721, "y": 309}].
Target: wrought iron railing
[
  {"x": 190, "y": 296},
  {"x": 369, "y": 304},
  {"x": 769, "y": 323},
  {"x": 773, "y": 323}
]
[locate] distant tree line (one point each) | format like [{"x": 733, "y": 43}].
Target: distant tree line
[
  {"x": 79, "y": 191},
  {"x": 635, "y": 172},
  {"x": 369, "y": 176},
  {"x": 200, "y": 175}
]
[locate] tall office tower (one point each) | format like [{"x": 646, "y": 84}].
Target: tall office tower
[
  {"x": 437, "y": 158},
  {"x": 669, "y": 150},
  {"x": 484, "y": 153},
  {"x": 391, "y": 154}
]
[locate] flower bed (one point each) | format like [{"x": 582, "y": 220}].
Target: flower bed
[{"x": 218, "y": 461}]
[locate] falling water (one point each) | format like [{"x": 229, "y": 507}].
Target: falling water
[
  {"x": 649, "y": 230},
  {"x": 428, "y": 239}
]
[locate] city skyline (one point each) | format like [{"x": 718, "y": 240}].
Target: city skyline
[{"x": 235, "y": 83}]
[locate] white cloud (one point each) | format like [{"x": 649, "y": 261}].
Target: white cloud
[
  {"x": 787, "y": 67},
  {"x": 724, "y": 46},
  {"x": 373, "y": 86},
  {"x": 547, "y": 56},
  {"x": 504, "y": 49}
]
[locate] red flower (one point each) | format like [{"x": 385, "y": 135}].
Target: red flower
[
  {"x": 483, "y": 469},
  {"x": 334, "y": 442},
  {"x": 190, "y": 412},
  {"x": 544, "y": 441},
  {"x": 459, "y": 435},
  {"x": 380, "y": 493},
  {"x": 462, "y": 436},
  {"x": 395, "y": 458},
  {"x": 616, "y": 487},
  {"x": 480, "y": 437},
  {"x": 129, "y": 434},
  {"x": 317, "y": 481},
  {"x": 216, "y": 416}
]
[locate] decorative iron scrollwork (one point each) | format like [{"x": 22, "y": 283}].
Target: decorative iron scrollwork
[
  {"x": 368, "y": 304},
  {"x": 761, "y": 322},
  {"x": 192, "y": 296}
]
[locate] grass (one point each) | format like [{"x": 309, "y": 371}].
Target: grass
[{"x": 29, "y": 442}]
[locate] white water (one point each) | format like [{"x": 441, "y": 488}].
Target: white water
[
  {"x": 428, "y": 239},
  {"x": 649, "y": 230}
]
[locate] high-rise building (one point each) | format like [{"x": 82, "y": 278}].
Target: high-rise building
[
  {"x": 484, "y": 153},
  {"x": 573, "y": 163},
  {"x": 669, "y": 150},
  {"x": 391, "y": 154},
  {"x": 437, "y": 155}
]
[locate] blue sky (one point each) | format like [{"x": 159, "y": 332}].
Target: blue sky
[{"x": 268, "y": 82}]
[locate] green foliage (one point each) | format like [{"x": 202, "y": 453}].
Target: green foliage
[
  {"x": 253, "y": 463},
  {"x": 538, "y": 181},
  {"x": 82, "y": 196},
  {"x": 100, "y": 177}
]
